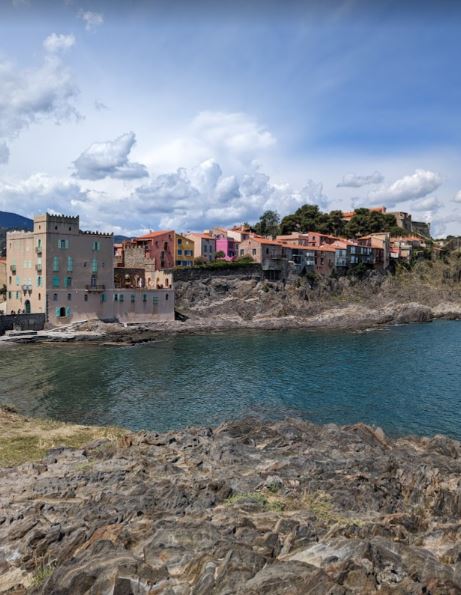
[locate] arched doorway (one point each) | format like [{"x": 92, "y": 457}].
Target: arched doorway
[
  {"x": 27, "y": 306},
  {"x": 62, "y": 312}
]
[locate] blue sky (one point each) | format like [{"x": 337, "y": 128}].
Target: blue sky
[{"x": 156, "y": 114}]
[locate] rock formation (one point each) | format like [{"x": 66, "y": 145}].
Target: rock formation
[{"x": 250, "y": 507}]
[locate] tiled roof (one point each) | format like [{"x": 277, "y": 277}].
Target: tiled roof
[{"x": 154, "y": 234}]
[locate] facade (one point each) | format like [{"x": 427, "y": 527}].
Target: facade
[
  {"x": 350, "y": 254},
  {"x": 295, "y": 238},
  {"x": 184, "y": 251},
  {"x": 2, "y": 285},
  {"x": 325, "y": 259},
  {"x": 68, "y": 275},
  {"x": 301, "y": 257},
  {"x": 270, "y": 254},
  {"x": 159, "y": 246},
  {"x": 380, "y": 244},
  {"x": 227, "y": 245},
  {"x": 240, "y": 233},
  {"x": 204, "y": 245}
]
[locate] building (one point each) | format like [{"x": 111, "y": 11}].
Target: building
[
  {"x": 240, "y": 233},
  {"x": 295, "y": 238},
  {"x": 380, "y": 245},
  {"x": 68, "y": 274},
  {"x": 204, "y": 245},
  {"x": 350, "y": 254},
  {"x": 325, "y": 259},
  {"x": 302, "y": 258},
  {"x": 226, "y": 244},
  {"x": 270, "y": 254},
  {"x": 184, "y": 251},
  {"x": 2, "y": 285},
  {"x": 160, "y": 247},
  {"x": 402, "y": 219},
  {"x": 347, "y": 215}
]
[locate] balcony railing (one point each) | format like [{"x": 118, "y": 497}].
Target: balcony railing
[
  {"x": 95, "y": 288},
  {"x": 13, "y": 268},
  {"x": 38, "y": 249},
  {"x": 38, "y": 267},
  {"x": 27, "y": 287}
]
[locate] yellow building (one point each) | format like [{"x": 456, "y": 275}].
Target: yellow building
[{"x": 184, "y": 251}]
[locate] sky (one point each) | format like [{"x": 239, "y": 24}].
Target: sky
[{"x": 155, "y": 114}]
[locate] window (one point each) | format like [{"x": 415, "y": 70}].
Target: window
[
  {"x": 39, "y": 281},
  {"x": 17, "y": 295},
  {"x": 96, "y": 245},
  {"x": 69, "y": 297},
  {"x": 242, "y": 252},
  {"x": 115, "y": 297},
  {"x": 55, "y": 281},
  {"x": 179, "y": 241},
  {"x": 166, "y": 296},
  {"x": 94, "y": 265},
  {"x": 70, "y": 264},
  {"x": 39, "y": 296},
  {"x": 103, "y": 298},
  {"x": 155, "y": 299},
  {"x": 67, "y": 281},
  {"x": 85, "y": 297},
  {"x": 9, "y": 295},
  {"x": 254, "y": 251},
  {"x": 133, "y": 298},
  {"x": 144, "y": 297},
  {"x": 179, "y": 252},
  {"x": 62, "y": 244},
  {"x": 55, "y": 297},
  {"x": 55, "y": 264},
  {"x": 121, "y": 297},
  {"x": 165, "y": 245}
]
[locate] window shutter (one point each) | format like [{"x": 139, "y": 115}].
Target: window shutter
[
  {"x": 57, "y": 312},
  {"x": 67, "y": 310}
]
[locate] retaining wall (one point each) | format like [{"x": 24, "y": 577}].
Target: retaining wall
[
  {"x": 252, "y": 271},
  {"x": 24, "y": 322}
]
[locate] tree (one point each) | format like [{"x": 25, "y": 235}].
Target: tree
[
  {"x": 268, "y": 224},
  {"x": 220, "y": 254}
]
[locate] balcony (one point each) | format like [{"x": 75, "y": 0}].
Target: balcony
[
  {"x": 38, "y": 267},
  {"x": 38, "y": 249},
  {"x": 13, "y": 268},
  {"x": 95, "y": 288},
  {"x": 273, "y": 264},
  {"x": 27, "y": 287}
]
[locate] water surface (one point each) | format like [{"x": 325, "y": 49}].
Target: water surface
[{"x": 406, "y": 379}]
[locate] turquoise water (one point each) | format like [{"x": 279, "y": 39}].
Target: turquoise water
[{"x": 406, "y": 379}]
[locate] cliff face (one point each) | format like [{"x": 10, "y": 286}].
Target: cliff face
[
  {"x": 431, "y": 289},
  {"x": 249, "y": 507}
]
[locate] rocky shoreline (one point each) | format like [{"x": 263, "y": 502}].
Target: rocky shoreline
[
  {"x": 346, "y": 317},
  {"x": 249, "y": 507}
]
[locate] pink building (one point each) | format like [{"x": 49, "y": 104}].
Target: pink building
[{"x": 227, "y": 245}]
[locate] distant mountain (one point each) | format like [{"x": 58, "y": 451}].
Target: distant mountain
[{"x": 13, "y": 221}]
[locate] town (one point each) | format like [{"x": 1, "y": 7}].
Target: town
[{"x": 65, "y": 275}]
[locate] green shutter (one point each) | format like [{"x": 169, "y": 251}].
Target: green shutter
[
  {"x": 57, "y": 310},
  {"x": 67, "y": 311}
]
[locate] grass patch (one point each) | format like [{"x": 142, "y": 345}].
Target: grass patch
[
  {"x": 42, "y": 574},
  {"x": 266, "y": 502},
  {"x": 25, "y": 440}
]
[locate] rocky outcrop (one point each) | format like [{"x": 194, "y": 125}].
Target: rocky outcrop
[{"x": 250, "y": 507}]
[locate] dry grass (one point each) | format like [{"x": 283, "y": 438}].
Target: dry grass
[{"x": 24, "y": 439}]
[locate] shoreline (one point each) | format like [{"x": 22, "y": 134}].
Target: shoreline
[
  {"x": 353, "y": 317},
  {"x": 248, "y": 506}
]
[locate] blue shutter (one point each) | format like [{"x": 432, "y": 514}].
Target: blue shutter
[
  {"x": 57, "y": 310},
  {"x": 67, "y": 311}
]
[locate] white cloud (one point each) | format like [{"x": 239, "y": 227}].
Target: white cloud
[
  {"x": 57, "y": 42},
  {"x": 457, "y": 197},
  {"x": 232, "y": 139},
  {"x": 202, "y": 197},
  {"x": 109, "y": 159},
  {"x": 4, "y": 153},
  {"x": 34, "y": 95},
  {"x": 39, "y": 193},
  {"x": 355, "y": 181},
  {"x": 417, "y": 185},
  {"x": 91, "y": 19}
]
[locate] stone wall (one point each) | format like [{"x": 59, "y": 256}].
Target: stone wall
[
  {"x": 24, "y": 322},
  {"x": 251, "y": 271}
]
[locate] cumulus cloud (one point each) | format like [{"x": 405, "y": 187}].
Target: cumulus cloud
[
  {"x": 40, "y": 193},
  {"x": 4, "y": 153},
  {"x": 200, "y": 197},
  {"x": 33, "y": 95},
  {"x": 355, "y": 181},
  {"x": 234, "y": 139},
  {"x": 57, "y": 42},
  {"x": 91, "y": 19},
  {"x": 414, "y": 186},
  {"x": 109, "y": 159}
]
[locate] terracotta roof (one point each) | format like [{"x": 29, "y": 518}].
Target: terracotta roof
[
  {"x": 154, "y": 234},
  {"x": 261, "y": 240},
  {"x": 205, "y": 236}
]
